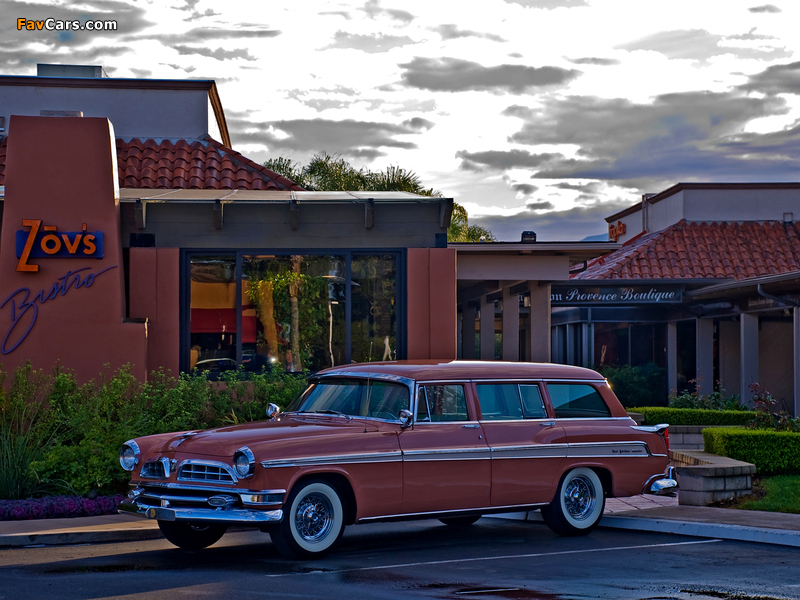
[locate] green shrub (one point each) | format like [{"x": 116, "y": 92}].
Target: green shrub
[
  {"x": 54, "y": 432},
  {"x": 772, "y": 452},
  {"x": 693, "y": 416},
  {"x": 716, "y": 400},
  {"x": 645, "y": 385}
]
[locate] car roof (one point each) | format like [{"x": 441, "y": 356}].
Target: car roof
[{"x": 429, "y": 370}]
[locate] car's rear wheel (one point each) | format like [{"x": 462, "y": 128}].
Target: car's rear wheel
[
  {"x": 313, "y": 521},
  {"x": 192, "y": 536},
  {"x": 460, "y": 521},
  {"x": 578, "y": 504}
]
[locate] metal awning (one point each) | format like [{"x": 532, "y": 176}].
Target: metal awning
[{"x": 271, "y": 196}]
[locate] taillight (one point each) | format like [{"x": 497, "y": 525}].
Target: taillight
[{"x": 666, "y": 439}]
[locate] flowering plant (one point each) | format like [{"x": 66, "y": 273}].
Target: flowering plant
[{"x": 58, "y": 507}]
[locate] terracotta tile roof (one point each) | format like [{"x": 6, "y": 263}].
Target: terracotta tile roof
[
  {"x": 192, "y": 164},
  {"x": 186, "y": 164},
  {"x": 719, "y": 250}
]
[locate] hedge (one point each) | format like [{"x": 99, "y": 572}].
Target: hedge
[
  {"x": 654, "y": 415},
  {"x": 772, "y": 452}
]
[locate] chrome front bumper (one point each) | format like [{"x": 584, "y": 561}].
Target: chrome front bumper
[
  {"x": 207, "y": 515},
  {"x": 664, "y": 484}
]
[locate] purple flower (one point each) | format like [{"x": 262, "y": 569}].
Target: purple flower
[
  {"x": 36, "y": 509},
  {"x": 72, "y": 507},
  {"x": 89, "y": 507},
  {"x": 106, "y": 505},
  {"x": 19, "y": 512}
]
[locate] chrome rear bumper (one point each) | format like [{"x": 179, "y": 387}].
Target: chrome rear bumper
[
  {"x": 664, "y": 484},
  {"x": 207, "y": 515}
]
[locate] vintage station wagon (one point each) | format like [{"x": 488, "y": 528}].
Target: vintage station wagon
[{"x": 451, "y": 440}]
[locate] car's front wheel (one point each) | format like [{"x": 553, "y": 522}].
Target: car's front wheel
[
  {"x": 191, "y": 536},
  {"x": 313, "y": 521},
  {"x": 578, "y": 504}
]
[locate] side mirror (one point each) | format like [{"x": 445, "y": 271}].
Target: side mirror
[
  {"x": 273, "y": 410},
  {"x": 405, "y": 418}
]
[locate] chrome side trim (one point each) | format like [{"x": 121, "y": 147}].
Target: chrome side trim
[
  {"x": 200, "y": 488},
  {"x": 446, "y": 513},
  {"x": 447, "y": 454},
  {"x": 651, "y": 428},
  {"x": 534, "y": 451},
  {"x": 207, "y": 515},
  {"x": 607, "y": 449},
  {"x": 375, "y": 457}
]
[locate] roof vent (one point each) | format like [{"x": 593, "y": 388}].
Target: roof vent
[
  {"x": 528, "y": 237},
  {"x": 75, "y": 71},
  {"x": 788, "y": 217}
]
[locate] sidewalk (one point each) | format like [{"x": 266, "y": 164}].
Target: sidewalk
[{"x": 641, "y": 513}]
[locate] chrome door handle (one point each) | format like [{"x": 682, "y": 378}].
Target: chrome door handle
[
  {"x": 547, "y": 423},
  {"x": 470, "y": 426}
]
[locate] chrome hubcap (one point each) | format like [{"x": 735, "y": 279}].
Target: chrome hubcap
[
  {"x": 314, "y": 517},
  {"x": 579, "y": 498}
]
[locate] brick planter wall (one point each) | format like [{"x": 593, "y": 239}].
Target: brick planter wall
[{"x": 706, "y": 478}]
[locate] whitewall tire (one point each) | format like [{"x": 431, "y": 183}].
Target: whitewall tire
[
  {"x": 313, "y": 521},
  {"x": 578, "y": 504}
]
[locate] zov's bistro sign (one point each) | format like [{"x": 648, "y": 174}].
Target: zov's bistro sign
[
  {"x": 48, "y": 242},
  {"x": 598, "y": 296}
]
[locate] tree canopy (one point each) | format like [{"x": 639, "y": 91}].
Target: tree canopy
[{"x": 333, "y": 173}]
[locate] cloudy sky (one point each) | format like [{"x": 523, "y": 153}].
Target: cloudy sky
[{"x": 534, "y": 114}]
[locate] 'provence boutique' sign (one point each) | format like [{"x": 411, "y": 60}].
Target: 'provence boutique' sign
[
  {"x": 48, "y": 242},
  {"x": 598, "y": 296}
]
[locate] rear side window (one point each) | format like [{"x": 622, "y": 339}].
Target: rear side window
[
  {"x": 506, "y": 401},
  {"x": 575, "y": 400}
]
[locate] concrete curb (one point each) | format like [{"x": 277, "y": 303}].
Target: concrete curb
[
  {"x": 709, "y": 530},
  {"x": 61, "y": 538}
]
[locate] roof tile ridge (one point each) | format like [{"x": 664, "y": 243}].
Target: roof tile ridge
[{"x": 252, "y": 165}]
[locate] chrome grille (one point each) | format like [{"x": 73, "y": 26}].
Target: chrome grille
[
  {"x": 201, "y": 471},
  {"x": 153, "y": 469}
]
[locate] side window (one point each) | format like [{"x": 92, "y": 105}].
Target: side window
[
  {"x": 499, "y": 401},
  {"x": 423, "y": 414},
  {"x": 532, "y": 403},
  {"x": 574, "y": 400},
  {"x": 385, "y": 400},
  {"x": 444, "y": 403}
]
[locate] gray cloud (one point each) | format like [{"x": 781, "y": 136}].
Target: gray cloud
[
  {"x": 501, "y": 160},
  {"x": 777, "y": 79},
  {"x": 589, "y": 60},
  {"x": 347, "y": 137},
  {"x": 23, "y": 60},
  {"x": 456, "y": 75},
  {"x": 593, "y": 187},
  {"x": 765, "y": 8},
  {"x": 373, "y": 10},
  {"x": 418, "y": 123},
  {"x": 452, "y": 32},
  {"x": 539, "y": 205},
  {"x": 219, "y": 54},
  {"x": 369, "y": 43},
  {"x": 524, "y": 188},
  {"x": 183, "y": 68},
  {"x": 697, "y": 44}
]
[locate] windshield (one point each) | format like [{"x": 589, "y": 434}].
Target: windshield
[{"x": 354, "y": 398}]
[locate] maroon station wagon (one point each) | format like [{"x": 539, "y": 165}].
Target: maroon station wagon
[{"x": 451, "y": 440}]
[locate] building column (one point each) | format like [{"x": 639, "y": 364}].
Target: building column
[
  {"x": 540, "y": 322},
  {"x": 672, "y": 357},
  {"x": 748, "y": 354},
  {"x": 796, "y": 346},
  {"x": 510, "y": 325},
  {"x": 587, "y": 345},
  {"x": 468, "y": 332},
  {"x": 569, "y": 344},
  {"x": 704, "y": 355},
  {"x": 487, "y": 329}
]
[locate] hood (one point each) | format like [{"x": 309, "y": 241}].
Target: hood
[{"x": 225, "y": 441}]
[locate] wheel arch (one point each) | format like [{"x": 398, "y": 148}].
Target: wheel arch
[{"x": 341, "y": 484}]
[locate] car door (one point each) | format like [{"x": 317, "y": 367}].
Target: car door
[
  {"x": 446, "y": 463},
  {"x": 527, "y": 446}
]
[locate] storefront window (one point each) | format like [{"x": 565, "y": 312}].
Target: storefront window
[
  {"x": 213, "y": 313},
  {"x": 293, "y": 311},
  {"x": 374, "y": 318}
]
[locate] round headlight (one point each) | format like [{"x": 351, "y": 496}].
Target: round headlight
[
  {"x": 244, "y": 462},
  {"x": 129, "y": 455}
]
